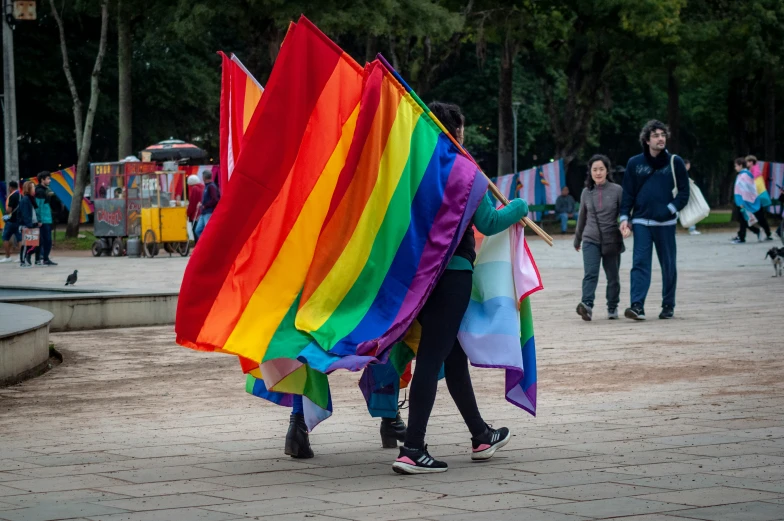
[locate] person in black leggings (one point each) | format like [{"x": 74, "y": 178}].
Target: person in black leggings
[{"x": 440, "y": 319}]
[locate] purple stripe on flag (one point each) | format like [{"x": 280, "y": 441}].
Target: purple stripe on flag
[{"x": 432, "y": 262}]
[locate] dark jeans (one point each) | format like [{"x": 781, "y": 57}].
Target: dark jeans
[
  {"x": 45, "y": 247},
  {"x": 744, "y": 224},
  {"x": 645, "y": 237},
  {"x": 592, "y": 258},
  {"x": 440, "y": 319}
]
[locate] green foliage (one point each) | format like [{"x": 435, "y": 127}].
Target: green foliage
[{"x": 589, "y": 73}]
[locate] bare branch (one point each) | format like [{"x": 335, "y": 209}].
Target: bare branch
[{"x": 77, "y": 103}]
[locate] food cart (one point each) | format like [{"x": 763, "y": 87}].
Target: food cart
[
  {"x": 117, "y": 198},
  {"x": 164, "y": 217}
]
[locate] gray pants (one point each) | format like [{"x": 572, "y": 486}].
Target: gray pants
[{"x": 592, "y": 258}]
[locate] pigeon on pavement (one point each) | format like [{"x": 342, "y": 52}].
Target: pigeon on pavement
[{"x": 71, "y": 280}]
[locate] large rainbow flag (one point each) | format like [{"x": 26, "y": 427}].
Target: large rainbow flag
[
  {"x": 240, "y": 95},
  {"x": 350, "y": 203}
]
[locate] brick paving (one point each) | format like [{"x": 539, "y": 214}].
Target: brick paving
[{"x": 654, "y": 421}]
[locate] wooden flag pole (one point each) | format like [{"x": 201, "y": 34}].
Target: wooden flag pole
[{"x": 526, "y": 221}]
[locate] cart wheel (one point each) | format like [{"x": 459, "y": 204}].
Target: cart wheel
[
  {"x": 183, "y": 248},
  {"x": 150, "y": 244},
  {"x": 97, "y": 248},
  {"x": 117, "y": 247},
  {"x": 168, "y": 247}
]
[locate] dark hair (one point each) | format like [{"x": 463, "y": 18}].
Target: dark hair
[
  {"x": 654, "y": 124},
  {"x": 741, "y": 162},
  {"x": 43, "y": 175},
  {"x": 13, "y": 184},
  {"x": 589, "y": 182},
  {"x": 686, "y": 161},
  {"x": 449, "y": 115},
  {"x": 207, "y": 176},
  {"x": 751, "y": 159}
]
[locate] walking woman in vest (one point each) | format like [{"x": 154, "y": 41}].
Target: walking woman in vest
[
  {"x": 440, "y": 320},
  {"x": 602, "y": 242}
]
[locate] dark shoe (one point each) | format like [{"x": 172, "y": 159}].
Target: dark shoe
[
  {"x": 393, "y": 430},
  {"x": 666, "y": 312},
  {"x": 38, "y": 263},
  {"x": 584, "y": 311},
  {"x": 50, "y": 263},
  {"x": 769, "y": 238},
  {"x": 612, "y": 314},
  {"x": 484, "y": 446},
  {"x": 416, "y": 461},
  {"x": 297, "y": 441},
  {"x": 737, "y": 240},
  {"x": 636, "y": 312}
]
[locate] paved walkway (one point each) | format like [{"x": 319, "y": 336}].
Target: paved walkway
[{"x": 654, "y": 421}]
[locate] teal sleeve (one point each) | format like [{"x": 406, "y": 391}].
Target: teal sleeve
[{"x": 490, "y": 221}]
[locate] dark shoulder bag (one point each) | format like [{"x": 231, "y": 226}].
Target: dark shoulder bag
[{"x": 611, "y": 249}]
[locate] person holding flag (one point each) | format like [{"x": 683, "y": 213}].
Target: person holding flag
[{"x": 440, "y": 319}]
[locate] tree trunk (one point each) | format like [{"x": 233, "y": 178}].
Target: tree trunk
[
  {"x": 77, "y": 103},
  {"x": 505, "y": 118},
  {"x": 770, "y": 116},
  {"x": 124, "y": 61},
  {"x": 82, "y": 170},
  {"x": 673, "y": 110}
]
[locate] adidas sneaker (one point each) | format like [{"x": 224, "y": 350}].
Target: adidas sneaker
[{"x": 417, "y": 461}]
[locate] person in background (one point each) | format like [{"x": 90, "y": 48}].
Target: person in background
[
  {"x": 748, "y": 201},
  {"x": 209, "y": 201},
  {"x": 11, "y": 229},
  {"x": 651, "y": 211},
  {"x": 27, "y": 219},
  {"x": 597, "y": 230},
  {"x": 195, "y": 193},
  {"x": 564, "y": 208},
  {"x": 440, "y": 319},
  {"x": 693, "y": 228},
  {"x": 43, "y": 198}
]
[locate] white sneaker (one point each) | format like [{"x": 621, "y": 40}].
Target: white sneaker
[
  {"x": 695, "y": 232},
  {"x": 6, "y": 259}
]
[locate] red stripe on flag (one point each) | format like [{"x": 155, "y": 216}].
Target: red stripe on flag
[{"x": 264, "y": 166}]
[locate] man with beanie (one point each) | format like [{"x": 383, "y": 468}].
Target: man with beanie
[
  {"x": 650, "y": 210},
  {"x": 195, "y": 193}
]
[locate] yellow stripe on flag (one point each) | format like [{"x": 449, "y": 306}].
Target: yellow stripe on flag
[
  {"x": 279, "y": 288},
  {"x": 336, "y": 285}
]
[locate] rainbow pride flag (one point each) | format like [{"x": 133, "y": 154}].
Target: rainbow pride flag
[
  {"x": 351, "y": 200},
  {"x": 240, "y": 95},
  {"x": 63, "y": 186}
]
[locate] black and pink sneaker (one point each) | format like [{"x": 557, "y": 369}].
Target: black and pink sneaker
[
  {"x": 416, "y": 461},
  {"x": 485, "y": 445}
]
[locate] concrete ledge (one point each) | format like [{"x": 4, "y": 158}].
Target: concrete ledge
[
  {"x": 104, "y": 310},
  {"x": 24, "y": 342}
]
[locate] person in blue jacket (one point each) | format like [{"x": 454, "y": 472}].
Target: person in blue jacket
[
  {"x": 28, "y": 218},
  {"x": 650, "y": 210},
  {"x": 440, "y": 319}
]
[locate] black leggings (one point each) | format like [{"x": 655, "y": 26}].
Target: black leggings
[
  {"x": 440, "y": 319},
  {"x": 744, "y": 225}
]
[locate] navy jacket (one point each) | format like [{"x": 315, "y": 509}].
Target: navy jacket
[
  {"x": 26, "y": 208},
  {"x": 210, "y": 198},
  {"x": 650, "y": 198}
]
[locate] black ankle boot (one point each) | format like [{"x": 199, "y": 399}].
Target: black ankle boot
[
  {"x": 297, "y": 442},
  {"x": 393, "y": 430}
]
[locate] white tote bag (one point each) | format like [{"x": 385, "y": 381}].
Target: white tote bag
[{"x": 697, "y": 208}]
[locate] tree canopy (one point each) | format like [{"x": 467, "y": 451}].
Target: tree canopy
[{"x": 587, "y": 73}]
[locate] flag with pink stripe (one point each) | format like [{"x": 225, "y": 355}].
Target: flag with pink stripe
[{"x": 497, "y": 329}]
